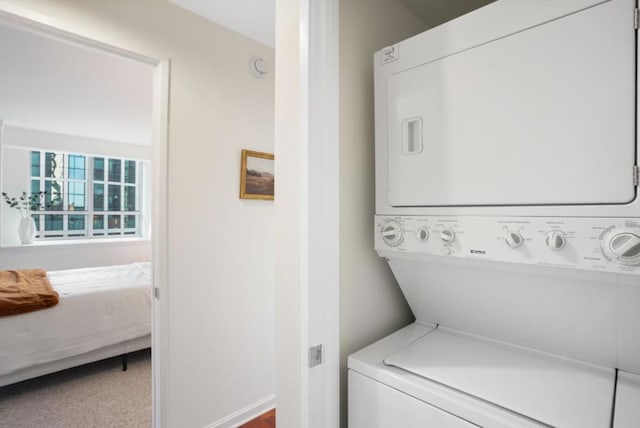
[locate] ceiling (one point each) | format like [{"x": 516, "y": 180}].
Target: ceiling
[
  {"x": 53, "y": 85},
  {"x": 256, "y": 18}
]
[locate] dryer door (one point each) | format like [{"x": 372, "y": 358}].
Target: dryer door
[{"x": 542, "y": 116}]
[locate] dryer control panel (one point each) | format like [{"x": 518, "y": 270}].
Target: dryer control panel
[{"x": 601, "y": 244}]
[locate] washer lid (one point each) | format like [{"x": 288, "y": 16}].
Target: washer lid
[{"x": 547, "y": 388}]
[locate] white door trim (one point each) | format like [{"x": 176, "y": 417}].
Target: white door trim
[
  {"x": 323, "y": 210},
  {"x": 160, "y": 244},
  {"x": 307, "y": 213},
  {"x": 9, "y": 13}
]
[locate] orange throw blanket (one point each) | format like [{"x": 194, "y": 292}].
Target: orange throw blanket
[{"x": 25, "y": 290}]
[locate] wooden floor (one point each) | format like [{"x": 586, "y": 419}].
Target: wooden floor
[{"x": 266, "y": 420}]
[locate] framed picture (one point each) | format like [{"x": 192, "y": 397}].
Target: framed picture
[{"x": 256, "y": 175}]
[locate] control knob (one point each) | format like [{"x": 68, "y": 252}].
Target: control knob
[
  {"x": 422, "y": 234},
  {"x": 513, "y": 239},
  {"x": 392, "y": 233},
  {"x": 555, "y": 240},
  {"x": 447, "y": 235},
  {"x": 625, "y": 246}
]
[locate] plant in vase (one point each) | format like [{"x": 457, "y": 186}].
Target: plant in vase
[{"x": 25, "y": 204}]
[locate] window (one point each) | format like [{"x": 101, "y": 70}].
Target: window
[{"x": 86, "y": 196}]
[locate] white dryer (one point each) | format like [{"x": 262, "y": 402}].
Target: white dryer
[{"x": 507, "y": 209}]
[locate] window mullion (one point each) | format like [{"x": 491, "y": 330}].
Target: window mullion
[
  {"x": 42, "y": 188},
  {"x": 138, "y": 197},
  {"x": 122, "y": 195},
  {"x": 89, "y": 193},
  {"x": 65, "y": 195},
  {"x": 105, "y": 208},
  {"x": 65, "y": 183}
]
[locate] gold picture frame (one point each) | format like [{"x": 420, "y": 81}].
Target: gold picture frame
[{"x": 257, "y": 179}]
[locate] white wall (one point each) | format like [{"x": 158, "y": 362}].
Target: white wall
[
  {"x": 371, "y": 304},
  {"x": 57, "y": 257},
  {"x": 14, "y": 136},
  {"x": 220, "y": 261}
]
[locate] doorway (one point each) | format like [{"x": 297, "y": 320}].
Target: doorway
[{"x": 98, "y": 210}]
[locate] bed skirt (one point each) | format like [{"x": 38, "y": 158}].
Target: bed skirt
[{"x": 77, "y": 360}]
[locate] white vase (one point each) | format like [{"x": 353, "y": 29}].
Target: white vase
[{"x": 27, "y": 230}]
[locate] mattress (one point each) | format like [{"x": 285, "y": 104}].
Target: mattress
[{"x": 98, "y": 307}]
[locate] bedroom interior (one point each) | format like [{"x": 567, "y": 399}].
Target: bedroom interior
[{"x": 76, "y": 125}]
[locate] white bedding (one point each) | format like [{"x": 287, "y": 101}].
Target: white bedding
[{"x": 98, "y": 307}]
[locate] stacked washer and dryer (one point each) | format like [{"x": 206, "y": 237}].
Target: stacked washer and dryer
[{"x": 507, "y": 209}]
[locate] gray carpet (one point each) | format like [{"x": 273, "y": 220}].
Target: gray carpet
[{"x": 96, "y": 395}]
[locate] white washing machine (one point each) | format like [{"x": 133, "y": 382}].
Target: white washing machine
[
  {"x": 507, "y": 209},
  {"x": 550, "y": 340}
]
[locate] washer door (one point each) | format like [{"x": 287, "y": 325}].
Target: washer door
[{"x": 542, "y": 116}]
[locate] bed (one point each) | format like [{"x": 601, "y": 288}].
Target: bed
[{"x": 103, "y": 312}]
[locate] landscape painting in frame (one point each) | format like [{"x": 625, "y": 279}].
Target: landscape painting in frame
[{"x": 257, "y": 179}]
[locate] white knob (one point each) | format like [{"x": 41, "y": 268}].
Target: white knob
[
  {"x": 626, "y": 246},
  {"x": 392, "y": 233},
  {"x": 422, "y": 233},
  {"x": 447, "y": 235},
  {"x": 513, "y": 239},
  {"x": 555, "y": 240}
]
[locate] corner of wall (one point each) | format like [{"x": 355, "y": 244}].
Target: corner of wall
[{"x": 366, "y": 283}]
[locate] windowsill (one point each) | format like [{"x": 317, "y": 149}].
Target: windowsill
[{"x": 79, "y": 243}]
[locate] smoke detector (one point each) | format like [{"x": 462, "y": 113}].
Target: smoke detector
[{"x": 259, "y": 67}]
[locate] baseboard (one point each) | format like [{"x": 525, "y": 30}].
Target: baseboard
[{"x": 246, "y": 414}]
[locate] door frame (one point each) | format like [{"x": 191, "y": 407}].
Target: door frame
[
  {"x": 43, "y": 24},
  {"x": 307, "y": 213}
]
